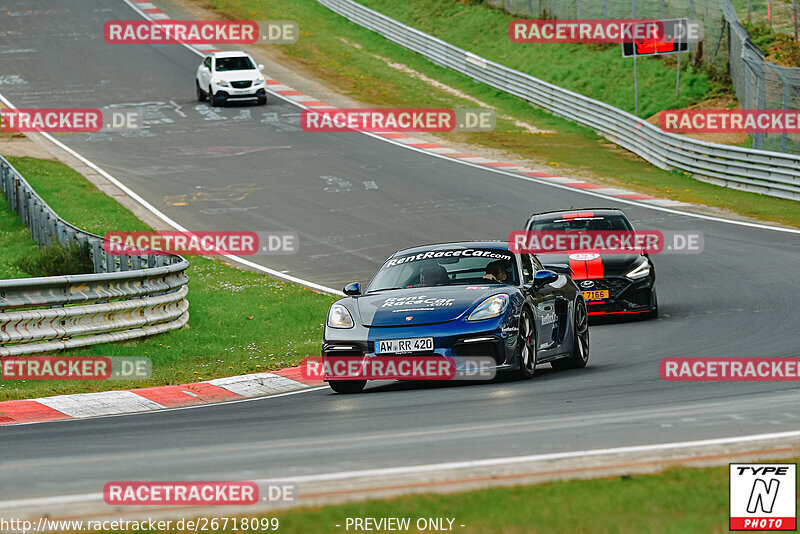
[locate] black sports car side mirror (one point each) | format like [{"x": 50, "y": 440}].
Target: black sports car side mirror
[
  {"x": 353, "y": 288},
  {"x": 542, "y": 278}
]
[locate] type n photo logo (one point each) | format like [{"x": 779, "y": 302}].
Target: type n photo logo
[{"x": 763, "y": 496}]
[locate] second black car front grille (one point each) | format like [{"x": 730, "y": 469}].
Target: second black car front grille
[{"x": 615, "y": 285}]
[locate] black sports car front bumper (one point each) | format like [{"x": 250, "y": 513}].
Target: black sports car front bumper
[{"x": 624, "y": 296}]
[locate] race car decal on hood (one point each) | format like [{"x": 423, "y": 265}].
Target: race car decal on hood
[
  {"x": 586, "y": 266},
  {"x": 417, "y": 300}
]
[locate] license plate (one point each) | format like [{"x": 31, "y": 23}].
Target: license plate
[
  {"x": 418, "y": 344},
  {"x": 597, "y": 294}
]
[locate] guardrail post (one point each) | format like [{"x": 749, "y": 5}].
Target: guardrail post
[
  {"x": 111, "y": 263},
  {"x": 6, "y": 184},
  {"x": 52, "y": 227},
  {"x": 22, "y": 211},
  {"x": 11, "y": 191},
  {"x": 33, "y": 222},
  {"x": 97, "y": 255}
]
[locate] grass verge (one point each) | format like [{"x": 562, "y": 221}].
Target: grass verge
[
  {"x": 365, "y": 66},
  {"x": 596, "y": 71},
  {"x": 677, "y": 500},
  {"x": 240, "y": 322}
]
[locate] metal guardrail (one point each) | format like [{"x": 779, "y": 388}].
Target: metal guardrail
[
  {"x": 759, "y": 171},
  {"x": 127, "y": 296}
]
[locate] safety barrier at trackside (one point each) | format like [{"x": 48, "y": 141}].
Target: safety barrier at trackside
[
  {"x": 759, "y": 171},
  {"x": 124, "y": 298}
]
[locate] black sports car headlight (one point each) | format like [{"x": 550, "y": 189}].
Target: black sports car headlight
[
  {"x": 639, "y": 271},
  {"x": 490, "y": 308},
  {"x": 339, "y": 317}
]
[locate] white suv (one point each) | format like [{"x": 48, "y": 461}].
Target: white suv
[{"x": 227, "y": 76}]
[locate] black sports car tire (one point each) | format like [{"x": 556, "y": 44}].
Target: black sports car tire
[
  {"x": 526, "y": 355},
  {"x": 654, "y": 312},
  {"x": 580, "y": 346},
  {"x": 347, "y": 386}
]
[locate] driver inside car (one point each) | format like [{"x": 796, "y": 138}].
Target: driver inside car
[
  {"x": 433, "y": 275},
  {"x": 495, "y": 271}
]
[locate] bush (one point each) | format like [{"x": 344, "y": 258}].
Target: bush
[{"x": 57, "y": 259}]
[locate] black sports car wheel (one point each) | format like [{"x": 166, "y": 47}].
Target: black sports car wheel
[
  {"x": 347, "y": 386},
  {"x": 654, "y": 312},
  {"x": 580, "y": 345},
  {"x": 201, "y": 95},
  {"x": 527, "y": 345}
]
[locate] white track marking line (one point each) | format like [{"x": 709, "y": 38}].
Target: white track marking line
[
  {"x": 447, "y": 466},
  {"x": 490, "y": 462}
]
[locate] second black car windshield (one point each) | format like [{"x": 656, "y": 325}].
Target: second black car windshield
[
  {"x": 446, "y": 267},
  {"x": 594, "y": 223}
]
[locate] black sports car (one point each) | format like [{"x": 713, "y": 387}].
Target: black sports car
[
  {"x": 612, "y": 284},
  {"x": 460, "y": 300}
]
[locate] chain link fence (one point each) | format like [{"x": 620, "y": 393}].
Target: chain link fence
[
  {"x": 780, "y": 15},
  {"x": 758, "y": 84},
  {"x": 706, "y": 11}
]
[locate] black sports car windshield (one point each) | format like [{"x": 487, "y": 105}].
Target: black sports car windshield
[
  {"x": 456, "y": 267},
  {"x": 569, "y": 222},
  {"x": 234, "y": 63}
]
